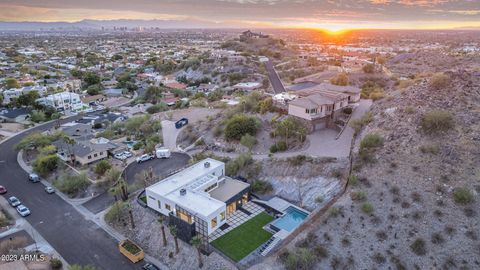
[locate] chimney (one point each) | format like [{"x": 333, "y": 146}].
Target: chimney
[
  {"x": 183, "y": 192},
  {"x": 206, "y": 164}
]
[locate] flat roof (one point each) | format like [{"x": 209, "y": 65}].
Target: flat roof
[
  {"x": 228, "y": 188},
  {"x": 184, "y": 177},
  {"x": 195, "y": 202}
]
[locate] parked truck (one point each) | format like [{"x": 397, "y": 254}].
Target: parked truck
[{"x": 131, "y": 250}]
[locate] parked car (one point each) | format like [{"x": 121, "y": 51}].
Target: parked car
[
  {"x": 120, "y": 156},
  {"x": 144, "y": 157},
  {"x": 23, "y": 210},
  {"x": 127, "y": 154},
  {"x": 3, "y": 190},
  {"x": 150, "y": 266},
  {"x": 180, "y": 123},
  {"x": 49, "y": 190},
  {"x": 13, "y": 201},
  {"x": 34, "y": 178}
]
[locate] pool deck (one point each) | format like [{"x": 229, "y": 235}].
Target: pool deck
[{"x": 280, "y": 205}]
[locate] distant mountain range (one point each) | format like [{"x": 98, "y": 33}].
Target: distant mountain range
[{"x": 110, "y": 24}]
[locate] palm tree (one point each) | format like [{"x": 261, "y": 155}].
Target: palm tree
[
  {"x": 160, "y": 220},
  {"x": 114, "y": 192},
  {"x": 197, "y": 243},
  {"x": 130, "y": 214},
  {"x": 70, "y": 142},
  {"x": 173, "y": 232}
]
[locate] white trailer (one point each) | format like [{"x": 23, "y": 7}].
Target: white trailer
[{"x": 163, "y": 153}]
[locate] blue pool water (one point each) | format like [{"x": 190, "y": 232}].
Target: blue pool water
[
  {"x": 129, "y": 143},
  {"x": 292, "y": 219}
]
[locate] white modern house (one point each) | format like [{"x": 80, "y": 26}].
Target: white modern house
[
  {"x": 9, "y": 94},
  {"x": 66, "y": 101},
  {"x": 198, "y": 199}
]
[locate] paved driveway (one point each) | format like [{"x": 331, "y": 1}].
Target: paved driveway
[
  {"x": 161, "y": 167},
  {"x": 170, "y": 134},
  {"x": 323, "y": 143}
]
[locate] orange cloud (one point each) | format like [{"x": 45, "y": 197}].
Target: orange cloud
[{"x": 421, "y": 3}]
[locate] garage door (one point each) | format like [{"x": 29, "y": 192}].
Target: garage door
[{"x": 321, "y": 125}]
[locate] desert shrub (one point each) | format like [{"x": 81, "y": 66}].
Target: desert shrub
[
  {"x": 439, "y": 81},
  {"x": 44, "y": 165},
  {"x": 248, "y": 141},
  {"x": 367, "y": 208},
  {"x": 358, "y": 196},
  {"x": 437, "y": 121},
  {"x": 340, "y": 79},
  {"x": 368, "y": 68},
  {"x": 379, "y": 258},
  {"x": 409, "y": 110},
  {"x": 281, "y": 146},
  {"x": 102, "y": 166},
  {"x": 372, "y": 140},
  {"x": 430, "y": 149},
  {"x": 320, "y": 251},
  {"x": 334, "y": 211},
  {"x": 319, "y": 199},
  {"x": 56, "y": 263},
  {"x": 160, "y": 107},
  {"x": 239, "y": 125},
  {"x": 419, "y": 247},
  {"x": 261, "y": 187},
  {"x": 437, "y": 238},
  {"x": 347, "y": 110},
  {"x": 372, "y": 90},
  {"x": 13, "y": 244},
  {"x": 353, "y": 180},
  {"x": 71, "y": 184},
  {"x": 463, "y": 196},
  {"x": 38, "y": 116},
  {"x": 116, "y": 212},
  {"x": 358, "y": 123},
  {"x": 297, "y": 160},
  {"x": 234, "y": 166},
  {"x": 300, "y": 259},
  {"x": 368, "y": 145},
  {"x": 138, "y": 145}
]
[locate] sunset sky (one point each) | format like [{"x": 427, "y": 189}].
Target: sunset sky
[{"x": 327, "y": 14}]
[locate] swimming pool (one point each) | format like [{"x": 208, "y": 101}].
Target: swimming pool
[
  {"x": 291, "y": 220},
  {"x": 130, "y": 144}
]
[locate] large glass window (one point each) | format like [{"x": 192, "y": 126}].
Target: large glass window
[
  {"x": 222, "y": 216},
  {"x": 167, "y": 206},
  {"x": 214, "y": 222}
]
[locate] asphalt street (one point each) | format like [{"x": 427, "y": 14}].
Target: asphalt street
[
  {"x": 78, "y": 240},
  {"x": 161, "y": 168},
  {"x": 274, "y": 78}
]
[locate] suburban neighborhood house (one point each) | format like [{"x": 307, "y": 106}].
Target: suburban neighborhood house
[
  {"x": 320, "y": 104},
  {"x": 198, "y": 199},
  {"x": 85, "y": 148},
  {"x": 63, "y": 101}
]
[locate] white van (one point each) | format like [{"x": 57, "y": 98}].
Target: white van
[{"x": 163, "y": 153}]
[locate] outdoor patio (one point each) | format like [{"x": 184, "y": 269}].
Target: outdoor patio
[{"x": 238, "y": 218}]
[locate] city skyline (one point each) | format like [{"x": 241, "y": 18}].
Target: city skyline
[{"x": 330, "y": 15}]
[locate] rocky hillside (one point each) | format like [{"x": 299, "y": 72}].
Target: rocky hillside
[
  {"x": 310, "y": 183},
  {"x": 413, "y": 199}
]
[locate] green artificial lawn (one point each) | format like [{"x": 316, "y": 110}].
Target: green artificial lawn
[{"x": 244, "y": 239}]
